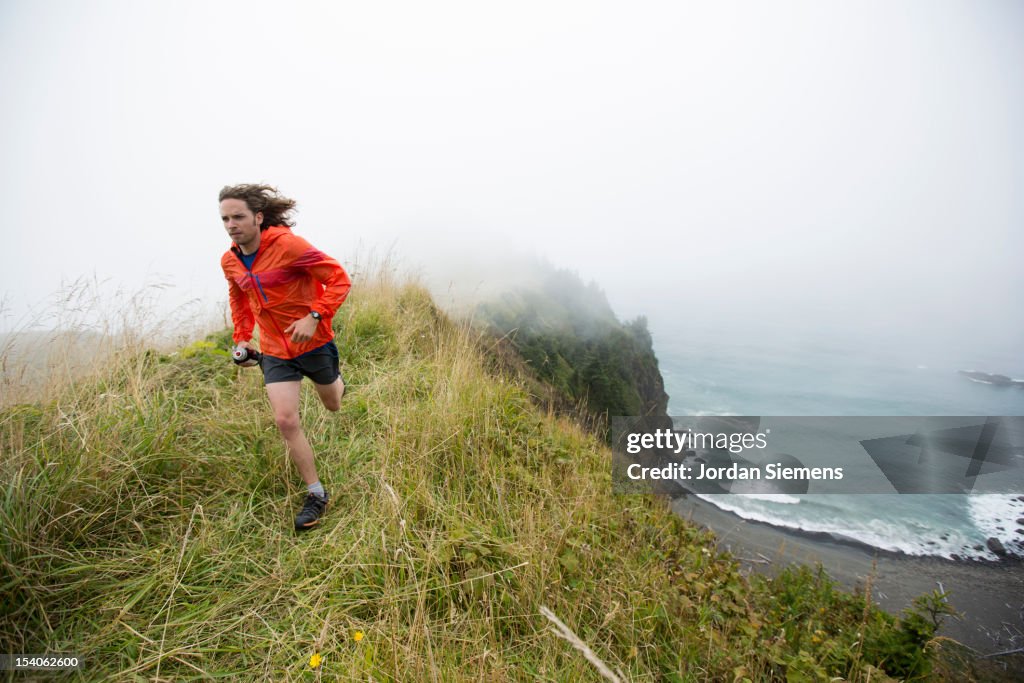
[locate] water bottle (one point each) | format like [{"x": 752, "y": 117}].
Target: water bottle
[{"x": 240, "y": 354}]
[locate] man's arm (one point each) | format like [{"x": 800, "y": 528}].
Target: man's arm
[
  {"x": 327, "y": 272},
  {"x": 336, "y": 284},
  {"x": 241, "y": 314}
]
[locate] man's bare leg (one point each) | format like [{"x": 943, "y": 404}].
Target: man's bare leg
[
  {"x": 284, "y": 399},
  {"x": 330, "y": 394}
]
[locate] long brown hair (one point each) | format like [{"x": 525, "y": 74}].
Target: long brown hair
[{"x": 277, "y": 209}]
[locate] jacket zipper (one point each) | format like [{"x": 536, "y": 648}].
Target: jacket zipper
[
  {"x": 253, "y": 277},
  {"x": 259, "y": 286}
]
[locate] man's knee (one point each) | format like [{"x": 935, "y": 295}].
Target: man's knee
[
  {"x": 287, "y": 422},
  {"x": 332, "y": 403},
  {"x": 332, "y": 399}
]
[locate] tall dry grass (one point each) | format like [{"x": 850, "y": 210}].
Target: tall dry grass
[
  {"x": 88, "y": 325},
  {"x": 146, "y": 516}
]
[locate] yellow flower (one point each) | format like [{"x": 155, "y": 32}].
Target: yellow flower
[
  {"x": 315, "y": 660},
  {"x": 358, "y": 636}
]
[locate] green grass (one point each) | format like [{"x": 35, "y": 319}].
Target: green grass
[{"x": 146, "y": 525}]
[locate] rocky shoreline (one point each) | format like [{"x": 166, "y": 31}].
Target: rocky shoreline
[{"x": 988, "y": 594}]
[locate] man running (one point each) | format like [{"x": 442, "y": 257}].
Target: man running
[{"x": 291, "y": 289}]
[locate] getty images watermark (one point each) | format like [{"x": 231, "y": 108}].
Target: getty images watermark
[{"x": 795, "y": 455}]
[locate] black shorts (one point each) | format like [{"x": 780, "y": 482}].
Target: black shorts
[{"x": 320, "y": 365}]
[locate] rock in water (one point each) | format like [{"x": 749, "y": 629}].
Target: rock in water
[{"x": 996, "y": 546}]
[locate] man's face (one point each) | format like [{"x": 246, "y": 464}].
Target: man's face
[{"x": 241, "y": 224}]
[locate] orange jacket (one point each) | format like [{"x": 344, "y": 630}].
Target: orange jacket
[{"x": 289, "y": 278}]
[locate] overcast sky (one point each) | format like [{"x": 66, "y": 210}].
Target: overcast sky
[{"x": 849, "y": 159}]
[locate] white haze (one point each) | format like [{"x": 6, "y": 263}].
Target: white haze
[{"x": 798, "y": 164}]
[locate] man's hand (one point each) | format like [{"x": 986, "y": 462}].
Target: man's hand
[
  {"x": 302, "y": 330},
  {"x": 249, "y": 363}
]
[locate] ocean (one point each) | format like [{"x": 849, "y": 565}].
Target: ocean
[{"x": 723, "y": 370}]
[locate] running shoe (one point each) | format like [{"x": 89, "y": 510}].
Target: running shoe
[{"x": 312, "y": 510}]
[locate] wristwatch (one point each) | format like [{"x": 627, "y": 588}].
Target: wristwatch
[{"x": 316, "y": 316}]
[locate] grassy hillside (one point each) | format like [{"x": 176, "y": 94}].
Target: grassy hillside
[{"x": 146, "y": 525}]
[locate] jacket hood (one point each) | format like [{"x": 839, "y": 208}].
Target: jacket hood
[{"x": 268, "y": 236}]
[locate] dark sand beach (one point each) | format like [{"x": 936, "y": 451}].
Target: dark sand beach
[{"x": 989, "y": 595}]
